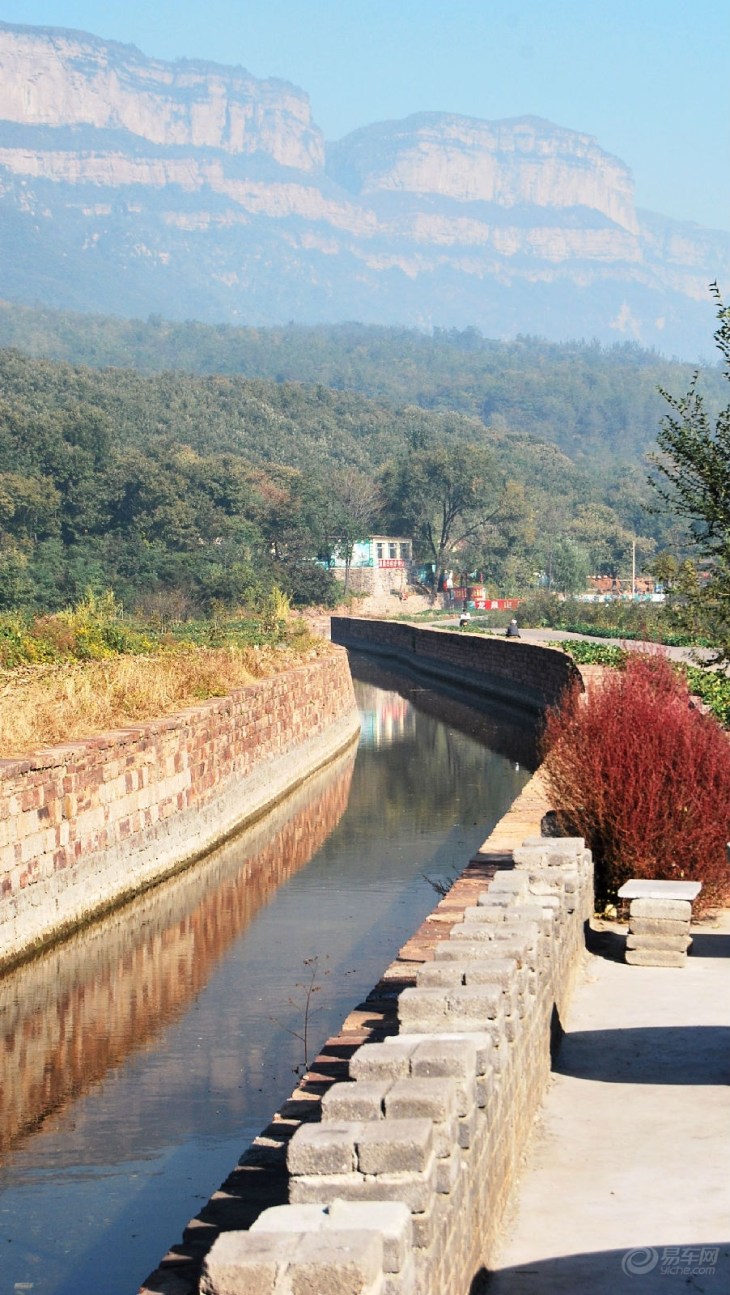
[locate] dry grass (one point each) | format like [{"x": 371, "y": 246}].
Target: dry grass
[{"x": 45, "y": 705}]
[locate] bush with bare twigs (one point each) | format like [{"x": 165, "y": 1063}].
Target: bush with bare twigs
[{"x": 645, "y": 777}]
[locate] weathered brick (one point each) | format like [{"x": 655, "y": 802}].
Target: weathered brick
[
  {"x": 359, "y": 1101},
  {"x": 395, "y": 1146},
  {"x": 323, "y": 1149}
]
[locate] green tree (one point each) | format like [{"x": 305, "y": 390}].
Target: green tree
[
  {"x": 570, "y": 568},
  {"x": 693, "y": 467},
  {"x": 446, "y": 498}
]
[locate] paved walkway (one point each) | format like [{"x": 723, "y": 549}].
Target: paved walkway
[{"x": 627, "y": 1183}]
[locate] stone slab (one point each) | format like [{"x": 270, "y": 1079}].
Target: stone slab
[
  {"x": 676, "y": 943},
  {"x": 647, "y": 889},
  {"x": 657, "y": 926},
  {"x": 655, "y": 958},
  {"x": 673, "y": 910}
]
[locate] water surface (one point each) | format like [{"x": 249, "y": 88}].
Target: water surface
[{"x": 142, "y": 1056}]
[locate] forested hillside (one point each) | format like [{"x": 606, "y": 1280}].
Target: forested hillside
[
  {"x": 598, "y": 405},
  {"x": 215, "y": 488}
]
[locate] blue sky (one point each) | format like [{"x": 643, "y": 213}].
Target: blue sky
[{"x": 649, "y": 78}]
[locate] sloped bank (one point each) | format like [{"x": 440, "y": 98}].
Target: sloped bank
[
  {"x": 85, "y": 826},
  {"x": 524, "y": 676}
]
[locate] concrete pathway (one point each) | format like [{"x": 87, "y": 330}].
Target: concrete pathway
[{"x": 627, "y": 1183}]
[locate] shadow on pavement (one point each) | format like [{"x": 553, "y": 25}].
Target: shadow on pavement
[
  {"x": 646, "y": 1270},
  {"x": 671, "y": 1054}
]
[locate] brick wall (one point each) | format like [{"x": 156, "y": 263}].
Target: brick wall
[
  {"x": 524, "y": 675},
  {"x": 85, "y": 825}
]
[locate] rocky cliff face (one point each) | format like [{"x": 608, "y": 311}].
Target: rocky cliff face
[
  {"x": 130, "y": 185},
  {"x": 63, "y": 78},
  {"x": 510, "y": 163}
]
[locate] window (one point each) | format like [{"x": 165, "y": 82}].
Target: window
[
  {"x": 392, "y": 550},
  {"x": 405, "y": 552},
  {"x": 379, "y": 551}
]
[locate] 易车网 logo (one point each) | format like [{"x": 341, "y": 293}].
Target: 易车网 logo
[{"x": 671, "y": 1261}]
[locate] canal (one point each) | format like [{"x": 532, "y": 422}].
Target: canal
[{"x": 139, "y": 1058}]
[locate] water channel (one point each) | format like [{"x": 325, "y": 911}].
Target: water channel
[{"x": 139, "y": 1058}]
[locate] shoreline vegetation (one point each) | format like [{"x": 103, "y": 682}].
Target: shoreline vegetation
[{"x": 88, "y": 670}]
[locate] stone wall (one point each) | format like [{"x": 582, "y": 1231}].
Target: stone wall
[
  {"x": 523, "y": 675},
  {"x": 84, "y": 826},
  {"x": 400, "y": 1185}
]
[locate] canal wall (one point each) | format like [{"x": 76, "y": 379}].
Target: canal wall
[
  {"x": 389, "y": 1169},
  {"x": 87, "y": 825},
  {"x": 524, "y": 676}
]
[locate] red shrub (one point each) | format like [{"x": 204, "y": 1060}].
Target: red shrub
[{"x": 644, "y": 777}]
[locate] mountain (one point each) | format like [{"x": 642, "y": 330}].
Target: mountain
[{"x": 133, "y": 186}]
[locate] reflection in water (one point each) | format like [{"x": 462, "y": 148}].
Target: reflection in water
[
  {"x": 141, "y": 1057},
  {"x": 72, "y": 1015},
  {"x": 385, "y": 717}
]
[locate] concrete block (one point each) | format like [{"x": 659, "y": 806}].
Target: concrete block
[
  {"x": 415, "y": 1190},
  {"x": 423, "y": 1010},
  {"x": 447, "y": 1174},
  {"x": 241, "y": 1263},
  {"x": 655, "y": 958},
  {"x": 323, "y": 1149},
  {"x": 356, "y": 1101},
  {"x": 673, "y": 910},
  {"x": 447, "y": 1057},
  {"x": 432, "y": 974},
  {"x": 475, "y": 1004},
  {"x": 382, "y": 1061},
  {"x": 337, "y": 1263},
  {"x": 675, "y": 943},
  {"x": 391, "y": 1219},
  {"x": 395, "y": 1146},
  {"x": 422, "y": 1098},
  {"x": 291, "y": 1218},
  {"x": 657, "y": 926},
  {"x": 513, "y": 883},
  {"x": 424, "y": 1226},
  {"x": 460, "y": 950}
]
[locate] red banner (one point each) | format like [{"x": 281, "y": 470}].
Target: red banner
[{"x": 390, "y": 563}]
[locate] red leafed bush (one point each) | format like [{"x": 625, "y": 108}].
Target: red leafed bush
[{"x": 644, "y": 777}]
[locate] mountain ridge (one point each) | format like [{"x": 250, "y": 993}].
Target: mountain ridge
[{"x": 129, "y": 185}]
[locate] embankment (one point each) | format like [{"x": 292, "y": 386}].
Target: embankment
[
  {"x": 525, "y": 676},
  {"x": 86, "y": 826}
]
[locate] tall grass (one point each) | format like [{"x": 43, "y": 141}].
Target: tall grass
[{"x": 88, "y": 669}]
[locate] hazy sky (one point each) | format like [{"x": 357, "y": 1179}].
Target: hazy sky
[{"x": 649, "y": 78}]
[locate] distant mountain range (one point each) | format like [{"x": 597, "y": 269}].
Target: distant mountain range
[{"x": 190, "y": 190}]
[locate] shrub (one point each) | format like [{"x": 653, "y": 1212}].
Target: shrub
[{"x": 644, "y": 777}]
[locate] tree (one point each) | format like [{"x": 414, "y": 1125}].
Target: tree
[
  {"x": 570, "y": 568},
  {"x": 693, "y": 464},
  {"x": 355, "y": 501},
  {"x": 446, "y": 498}
]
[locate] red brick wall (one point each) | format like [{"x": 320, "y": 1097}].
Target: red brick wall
[{"x": 84, "y": 825}]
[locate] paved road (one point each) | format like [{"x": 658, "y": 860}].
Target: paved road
[
  {"x": 626, "y": 1190},
  {"x": 695, "y": 656}
]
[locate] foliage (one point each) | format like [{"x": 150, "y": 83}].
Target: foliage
[
  {"x": 448, "y": 500},
  {"x": 594, "y": 653},
  {"x": 644, "y": 777},
  {"x": 712, "y": 688},
  {"x": 195, "y": 490},
  {"x": 693, "y": 467}
]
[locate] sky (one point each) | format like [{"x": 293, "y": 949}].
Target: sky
[{"x": 648, "y": 78}]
